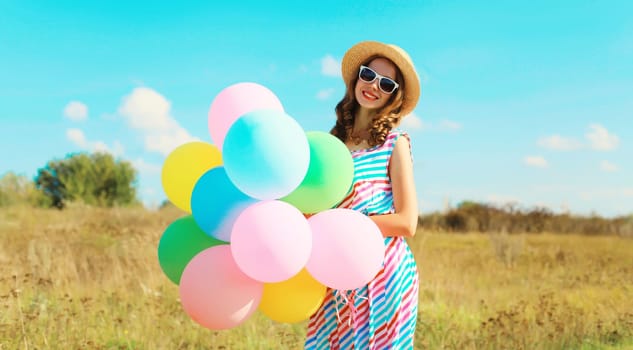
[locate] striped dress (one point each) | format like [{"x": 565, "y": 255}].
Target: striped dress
[{"x": 382, "y": 314}]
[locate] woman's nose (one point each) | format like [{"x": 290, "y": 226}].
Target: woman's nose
[{"x": 374, "y": 84}]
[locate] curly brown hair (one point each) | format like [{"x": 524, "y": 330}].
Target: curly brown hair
[{"x": 385, "y": 119}]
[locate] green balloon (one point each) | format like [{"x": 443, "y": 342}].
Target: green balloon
[
  {"x": 329, "y": 175},
  {"x": 181, "y": 241}
]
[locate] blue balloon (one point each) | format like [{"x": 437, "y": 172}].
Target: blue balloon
[
  {"x": 216, "y": 203},
  {"x": 266, "y": 154}
]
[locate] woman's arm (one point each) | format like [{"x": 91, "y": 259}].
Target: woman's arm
[{"x": 404, "y": 221}]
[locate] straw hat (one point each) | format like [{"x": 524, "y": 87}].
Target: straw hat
[{"x": 360, "y": 52}]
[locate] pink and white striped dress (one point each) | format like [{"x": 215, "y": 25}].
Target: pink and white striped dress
[{"x": 382, "y": 314}]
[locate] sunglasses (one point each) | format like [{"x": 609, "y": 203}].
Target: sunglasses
[{"x": 368, "y": 75}]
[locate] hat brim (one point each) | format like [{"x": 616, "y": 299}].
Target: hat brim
[{"x": 360, "y": 52}]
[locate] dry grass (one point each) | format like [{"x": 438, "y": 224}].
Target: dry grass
[{"x": 89, "y": 278}]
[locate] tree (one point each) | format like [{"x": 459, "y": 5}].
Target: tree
[
  {"x": 18, "y": 189},
  {"x": 95, "y": 179}
]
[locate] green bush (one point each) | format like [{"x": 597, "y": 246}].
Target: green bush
[
  {"x": 94, "y": 179},
  {"x": 19, "y": 190}
]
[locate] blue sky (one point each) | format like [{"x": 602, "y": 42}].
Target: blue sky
[{"x": 529, "y": 102}]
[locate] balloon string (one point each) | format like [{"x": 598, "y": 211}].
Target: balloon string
[
  {"x": 349, "y": 300},
  {"x": 336, "y": 296},
  {"x": 352, "y": 310}
]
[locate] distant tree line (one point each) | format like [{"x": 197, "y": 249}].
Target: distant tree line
[
  {"x": 18, "y": 189},
  {"x": 93, "y": 179},
  {"x": 100, "y": 180},
  {"x": 471, "y": 216}
]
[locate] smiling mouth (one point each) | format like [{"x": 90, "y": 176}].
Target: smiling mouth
[{"x": 369, "y": 96}]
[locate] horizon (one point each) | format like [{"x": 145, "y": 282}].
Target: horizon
[{"x": 521, "y": 103}]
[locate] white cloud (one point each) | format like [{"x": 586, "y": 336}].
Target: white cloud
[
  {"x": 535, "y": 161},
  {"x": 325, "y": 94},
  {"x": 118, "y": 148},
  {"x": 412, "y": 122},
  {"x": 601, "y": 139},
  {"x": 76, "y": 111},
  {"x": 166, "y": 142},
  {"x": 598, "y": 136},
  {"x": 607, "y": 166},
  {"x": 148, "y": 191},
  {"x": 450, "y": 125},
  {"x": 144, "y": 167},
  {"x": 559, "y": 143},
  {"x": 77, "y": 137},
  {"x": 502, "y": 199},
  {"x": 149, "y": 112},
  {"x": 330, "y": 66},
  {"x": 100, "y": 146}
]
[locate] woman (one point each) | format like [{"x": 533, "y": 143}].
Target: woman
[{"x": 382, "y": 88}]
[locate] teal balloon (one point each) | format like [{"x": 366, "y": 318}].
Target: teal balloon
[
  {"x": 180, "y": 242},
  {"x": 329, "y": 175},
  {"x": 266, "y": 154},
  {"x": 216, "y": 203}
]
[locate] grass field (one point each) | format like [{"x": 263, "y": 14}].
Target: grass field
[{"x": 89, "y": 278}]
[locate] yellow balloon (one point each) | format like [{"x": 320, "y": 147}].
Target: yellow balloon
[
  {"x": 292, "y": 300},
  {"x": 184, "y": 166}
]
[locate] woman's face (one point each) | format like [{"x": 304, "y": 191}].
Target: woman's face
[{"x": 369, "y": 95}]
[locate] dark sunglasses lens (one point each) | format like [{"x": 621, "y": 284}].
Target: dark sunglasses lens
[
  {"x": 387, "y": 85},
  {"x": 367, "y": 74}
]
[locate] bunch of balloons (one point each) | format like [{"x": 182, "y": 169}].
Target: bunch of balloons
[{"x": 261, "y": 230}]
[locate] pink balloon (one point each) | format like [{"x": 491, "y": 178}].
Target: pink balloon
[
  {"x": 347, "y": 249},
  {"x": 271, "y": 241},
  {"x": 234, "y": 101},
  {"x": 215, "y": 292}
]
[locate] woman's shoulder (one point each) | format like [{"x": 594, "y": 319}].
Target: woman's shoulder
[{"x": 394, "y": 135}]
